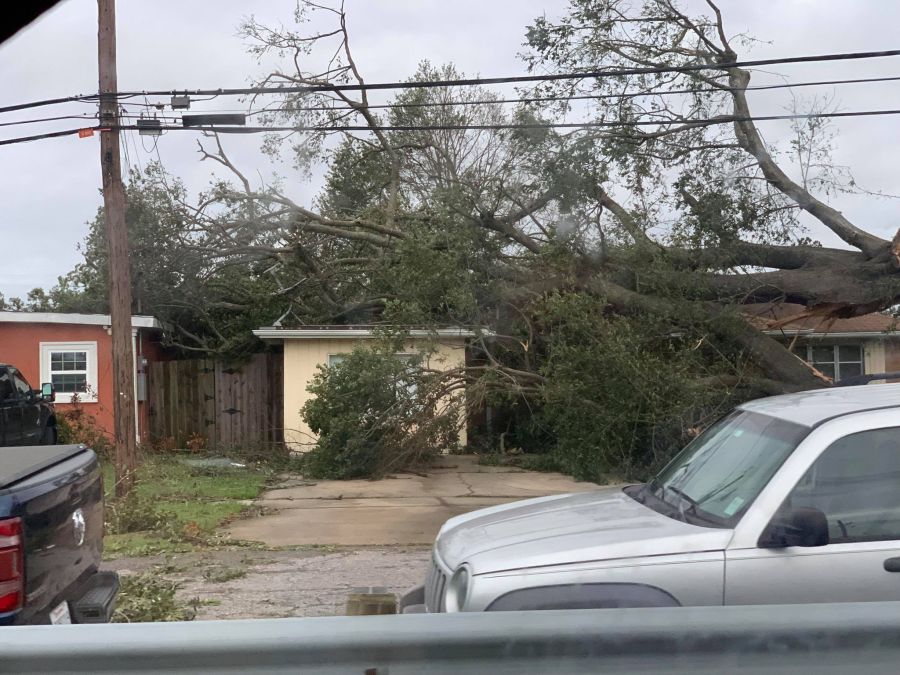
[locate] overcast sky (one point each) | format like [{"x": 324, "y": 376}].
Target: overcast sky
[{"x": 50, "y": 188}]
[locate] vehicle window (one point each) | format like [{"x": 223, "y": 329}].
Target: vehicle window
[
  {"x": 856, "y": 484},
  {"x": 7, "y": 389},
  {"x": 22, "y": 387},
  {"x": 722, "y": 471}
]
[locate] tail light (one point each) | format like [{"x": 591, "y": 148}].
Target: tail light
[{"x": 12, "y": 572}]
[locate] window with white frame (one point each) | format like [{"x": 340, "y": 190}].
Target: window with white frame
[
  {"x": 838, "y": 361},
  {"x": 72, "y": 368}
]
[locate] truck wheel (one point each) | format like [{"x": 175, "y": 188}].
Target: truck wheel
[{"x": 49, "y": 436}]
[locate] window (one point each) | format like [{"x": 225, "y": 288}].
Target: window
[
  {"x": 856, "y": 484},
  {"x": 836, "y": 361},
  {"x": 334, "y": 359},
  {"x": 72, "y": 368},
  {"x": 23, "y": 389},
  {"x": 7, "y": 390}
]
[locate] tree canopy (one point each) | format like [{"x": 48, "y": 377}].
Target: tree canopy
[{"x": 607, "y": 265}]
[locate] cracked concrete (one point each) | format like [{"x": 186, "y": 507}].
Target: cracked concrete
[
  {"x": 276, "y": 584},
  {"x": 403, "y": 509},
  {"x": 292, "y": 585},
  {"x": 338, "y": 535}
]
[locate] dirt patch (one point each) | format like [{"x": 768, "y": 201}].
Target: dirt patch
[{"x": 252, "y": 584}]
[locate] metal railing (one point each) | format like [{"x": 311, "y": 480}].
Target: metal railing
[{"x": 840, "y": 638}]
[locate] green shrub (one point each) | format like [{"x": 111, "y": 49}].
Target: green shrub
[
  {"x": 620, "y": 393},
  {"x": 374, "y": 412},
  {"x": 76, "y": 426}
]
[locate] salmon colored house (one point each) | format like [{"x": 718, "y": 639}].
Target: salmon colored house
[{"x": 74, "y": 352}]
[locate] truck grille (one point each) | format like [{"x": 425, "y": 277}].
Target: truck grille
[{"x": 435, "y": 582}]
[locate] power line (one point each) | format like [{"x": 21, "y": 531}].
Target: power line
[
  {"x": 550, "y": 77},
  {"x": 545, "y": 99},
  {"x": 38, "y": 137},
  {"x": 80, "y": 98},
  {"x": 685, "y": 124},
  {"x": 476, "y": 81},
  {"x": 436, "y": 104},
  {"x": 46, "y": 101},
  {"x": 49, "y": 119}
]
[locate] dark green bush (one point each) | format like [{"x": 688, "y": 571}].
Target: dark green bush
[{"x": 620, "y": 393}]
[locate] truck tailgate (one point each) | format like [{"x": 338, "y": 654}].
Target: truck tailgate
[{"x": 61, "y": 507}]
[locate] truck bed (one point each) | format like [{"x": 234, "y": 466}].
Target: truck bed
[
  {"x": 16, "y": 464},
  {"x": 56, "y": 494}
]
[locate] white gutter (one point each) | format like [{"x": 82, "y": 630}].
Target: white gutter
[
  {"x": 803, "y": 333},
  {"x": 353, "y": 333},
  {"x": 134, "y": 357},
  {"x": 137, "y": 321}
]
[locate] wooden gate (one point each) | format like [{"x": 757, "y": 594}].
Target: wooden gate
[{"x": 219, "y": 404}]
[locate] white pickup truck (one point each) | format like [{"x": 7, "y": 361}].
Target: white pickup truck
[{"x": 789, "y": 499}]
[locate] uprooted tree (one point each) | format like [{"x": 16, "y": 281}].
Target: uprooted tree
[{"x": 608, "y": 263}]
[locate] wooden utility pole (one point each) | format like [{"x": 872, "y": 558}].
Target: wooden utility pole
[{"x": 117, "y": 240}]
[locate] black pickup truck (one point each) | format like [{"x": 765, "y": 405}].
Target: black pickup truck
[
  {"x": 26, "y": 414},
  {"x": 51, "y": 537}
]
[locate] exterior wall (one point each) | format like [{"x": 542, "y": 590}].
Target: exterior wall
[
  {"x": 303, "y": 356},
  {"x": 20, "y": 347},
  {"x": 874, "y": 355},
  {"x": 892, "y": 357}
]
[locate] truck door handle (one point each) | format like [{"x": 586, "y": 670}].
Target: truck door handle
[{"x": 892, "y": 565}]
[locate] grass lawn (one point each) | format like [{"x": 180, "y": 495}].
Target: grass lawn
[{"x": 176, "y": 507}]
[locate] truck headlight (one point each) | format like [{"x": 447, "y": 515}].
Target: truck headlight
[{"x": 457, "y": 590}]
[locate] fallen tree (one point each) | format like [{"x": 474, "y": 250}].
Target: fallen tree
[
  {"x": 532, "y": 210},
  {"x": 648, "y": 230}
]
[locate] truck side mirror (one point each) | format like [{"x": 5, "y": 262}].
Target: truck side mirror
[
  {"x": 48, "y": 392},
  {"x": 801, "y": 526}
]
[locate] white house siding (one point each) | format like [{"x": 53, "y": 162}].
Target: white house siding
[
  {"x": 302, "y": 358},
  {"x": 874, "y": 356}
]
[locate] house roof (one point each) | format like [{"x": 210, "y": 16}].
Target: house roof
[
  {"x": 137, "y": 321},
  {"x": 763, "y": 315},
  {"x": 353, "y": 332}
]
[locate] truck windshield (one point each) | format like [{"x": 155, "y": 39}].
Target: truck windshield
[{"x": 719, "y": 474}]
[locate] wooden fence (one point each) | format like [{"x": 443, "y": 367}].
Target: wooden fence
[{"x": 225, "y": 405}]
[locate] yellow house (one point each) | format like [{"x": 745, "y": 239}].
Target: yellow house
[{"x": 308, "y": 347}]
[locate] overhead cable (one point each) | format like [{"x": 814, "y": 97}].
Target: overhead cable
[
  {"x": 681, "y": 124},
  {"x": 476, "y": 81}
]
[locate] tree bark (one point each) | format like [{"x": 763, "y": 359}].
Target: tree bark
[{"x": 119, "y": 264}]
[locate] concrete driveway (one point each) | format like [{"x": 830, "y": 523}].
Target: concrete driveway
[{"x": 404, "y": 509}]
